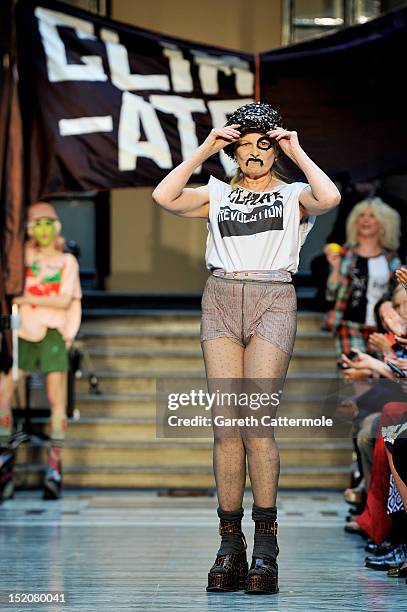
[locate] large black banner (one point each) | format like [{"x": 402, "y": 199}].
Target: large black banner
[
  {"x": 108, "y": 105},
  {"x": 344, "y": 93}
]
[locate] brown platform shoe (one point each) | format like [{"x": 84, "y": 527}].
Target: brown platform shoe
[
  {"x": 262, "y": 577},
  {"x": 229, "y": 571}
]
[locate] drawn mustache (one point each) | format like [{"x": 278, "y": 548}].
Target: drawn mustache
[{"x": 255, "y": 159}]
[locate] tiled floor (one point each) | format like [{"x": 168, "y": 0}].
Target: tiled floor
[{"x": 140, "y": 551}]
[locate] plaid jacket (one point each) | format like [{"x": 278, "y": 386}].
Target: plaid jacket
[{"x": 340, "y": 293}]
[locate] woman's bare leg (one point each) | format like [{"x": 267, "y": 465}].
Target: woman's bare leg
[
  {"x": 264, "y": 360},
  {"x": 56, "y": 394},
  {"x": 224, "y": 359},
  {"x": 7, "y": 387}
]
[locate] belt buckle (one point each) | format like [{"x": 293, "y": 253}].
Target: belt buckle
[{"x": 234, "y": 274}]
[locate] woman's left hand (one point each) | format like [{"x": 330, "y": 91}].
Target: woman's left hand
[
  {"x": 399, "y": 362},
  {"x": 287, "y": 140},
  {"x": 354, "y": 374}
]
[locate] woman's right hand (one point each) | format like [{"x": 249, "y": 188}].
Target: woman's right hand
[
  {"x": 218, "y": 138},
  {"x": 19, "y": 301},
  {"x": 361, "y": 361},
  {"x": 391, "y": 319},
  {"x": 379, "y": 342},
  {"x": 333, "y": 257},
  {"x": 401, "y": 275}
]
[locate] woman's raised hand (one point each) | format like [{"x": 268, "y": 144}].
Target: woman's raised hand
[
  {"x": 333, "y": 256},
  {"x": 288, "y": 140},
  {"x": 379, "y": 342},
  {"x": 401, "y": 275},
  {"x": 218, "y": 138}
]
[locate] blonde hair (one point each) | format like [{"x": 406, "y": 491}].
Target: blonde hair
[
  {"x": 276, "y": 174},
  {"x": 388, "y": 218}
]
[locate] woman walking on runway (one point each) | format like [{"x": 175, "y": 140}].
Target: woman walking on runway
[{"x": 257, "y": 225}]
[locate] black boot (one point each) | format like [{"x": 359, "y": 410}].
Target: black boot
[
  {"x": 262, "y": 577},
  {"x": 228, "y": 573},
  {"x": 378, "y": 549},
  {"x": 394, "y": 558}
]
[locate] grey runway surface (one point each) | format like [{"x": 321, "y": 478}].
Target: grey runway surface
[{"x": 141, "y": 551}]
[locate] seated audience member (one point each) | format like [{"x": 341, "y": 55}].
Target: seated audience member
[{"x": 361, "y": 273}]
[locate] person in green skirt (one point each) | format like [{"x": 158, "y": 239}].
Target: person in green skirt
[{"x": 50, "y": 315}]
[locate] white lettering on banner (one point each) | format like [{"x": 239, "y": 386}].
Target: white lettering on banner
[
  {"x": 135, "y": 109},
  {"x": 180, "y": 68},
  {"x": 209, "y": 66},
  {"x": 85, "y": 125},
  {"x": 182, "y": 108},
  {"x": 109, "y": 36},
  {"x": 57, "y": 67},
  {"x": 219, "y": 110},
  {"x": 120, "y": 70}
]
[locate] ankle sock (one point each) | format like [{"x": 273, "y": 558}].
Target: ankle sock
[
  {"x": 58, "y": 427},
  {"x": 265, "y": 544},
  {"x": 231, "y": 542}
]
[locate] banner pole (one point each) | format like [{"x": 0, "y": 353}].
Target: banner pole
[
  {"x": 256, "y": 77},
  {"x": 15, "y": 324}
]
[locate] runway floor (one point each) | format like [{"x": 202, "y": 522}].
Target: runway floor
[{"x": 141, "y": 551}]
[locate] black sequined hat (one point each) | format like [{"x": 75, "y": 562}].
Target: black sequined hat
[{"x": 253, "y": 116}]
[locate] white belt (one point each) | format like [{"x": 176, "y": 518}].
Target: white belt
[{"x": 278, "y": 276}]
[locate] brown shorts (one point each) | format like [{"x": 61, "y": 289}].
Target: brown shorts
[{"x": 239, "y": 309}]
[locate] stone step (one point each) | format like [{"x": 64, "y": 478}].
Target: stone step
[
  {"x": 129, "y": 405},
  {"x": 163, "y": 476},
  {"x": 120, "y": 429},
  {"x": 181, "y": 453},
  {"x": 114, "y": 443},
  {"x": 122, "y": 359},
  {"x": 182, "y": 339},
  {"x": 147, "y": 381},
  {"x": 307, "y": 321},
  {"x": 120, "y": 405}
]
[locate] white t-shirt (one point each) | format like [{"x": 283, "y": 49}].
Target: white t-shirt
[
  {"x": 249, "y": 230},
  {"x": 378, "y": 281}
]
